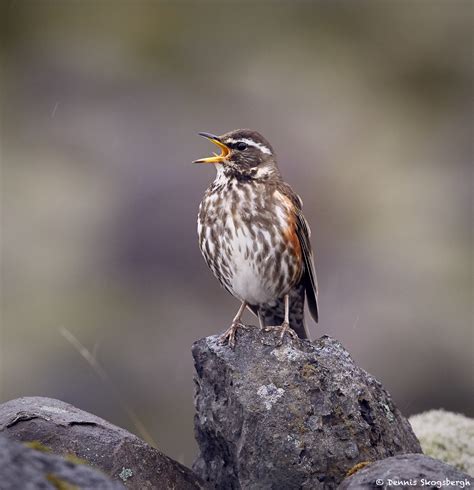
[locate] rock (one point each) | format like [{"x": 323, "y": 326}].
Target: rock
[
  {"x": 67, "y": 430},
  {"x": 295, "y": 416},
  {"x": 446, "y": 436},
  {"x": 25, "y": 468},
  {"x": 407, "y": 471}
]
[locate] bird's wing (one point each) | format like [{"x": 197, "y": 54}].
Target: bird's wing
[
  {"x": 304, "y": 233},
  {"x": 309, "y": 278}
]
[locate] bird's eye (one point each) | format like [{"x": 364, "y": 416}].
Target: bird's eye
[{"x": 241, "y": 146}]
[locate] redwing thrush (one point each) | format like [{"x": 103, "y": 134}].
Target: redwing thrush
[{"x": 254, "y": 237}]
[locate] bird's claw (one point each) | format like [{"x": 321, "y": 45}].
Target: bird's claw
[
  {"x": 229, "y": 335},
  {"x": 284, "y": 329}
]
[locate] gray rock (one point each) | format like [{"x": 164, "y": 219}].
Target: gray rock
[
  {"x": 295, "y": 416},
  {"x": 66, "y": 430},
  {"x": 407, "y": 471},
  {"x": 27, "y": 469}
]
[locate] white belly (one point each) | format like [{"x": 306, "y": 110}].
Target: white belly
[{"x": 248, "y": 279}]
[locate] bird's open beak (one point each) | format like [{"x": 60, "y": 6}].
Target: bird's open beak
[{"x": 225, "y": 150}]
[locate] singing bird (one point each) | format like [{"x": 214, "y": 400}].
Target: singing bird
[{"x": 254, "y": 237}]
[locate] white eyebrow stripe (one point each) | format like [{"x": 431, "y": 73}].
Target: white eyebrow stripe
[{"x": 253, "y": 143}]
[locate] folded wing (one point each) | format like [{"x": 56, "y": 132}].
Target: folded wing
[{"x": 309, "y": 276}]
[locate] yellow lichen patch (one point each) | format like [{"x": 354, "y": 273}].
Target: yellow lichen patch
[
  {"x": 59, "y": 483},
  {"x": 357, "y": 467},
  {"x": 38, "y": 446},
  {"x": 75, "y": 459},
  {"x": 308, "y": 371}
]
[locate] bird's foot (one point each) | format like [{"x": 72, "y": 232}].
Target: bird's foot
[
  {"x": 229, "y": 335},
  {"x": 284, "y": 329}
]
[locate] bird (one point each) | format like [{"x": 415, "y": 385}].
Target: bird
[{"x": 254, "y": 237}]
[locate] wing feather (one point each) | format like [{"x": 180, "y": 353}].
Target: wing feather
[
  {"x": 304, "y": 234},
  {"x": 309, "y": 278}
]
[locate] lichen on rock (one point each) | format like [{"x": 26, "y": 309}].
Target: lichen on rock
[
  {"x": 270, "y": 394},
  {"x": 81, "y": 437},
  {"x": 23, "y": 467},
  {"x": 446, "y": 436},
  {"x": 297, "y": 415}
]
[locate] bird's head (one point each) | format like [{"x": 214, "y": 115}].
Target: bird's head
[{"x": 243, "y": 153}]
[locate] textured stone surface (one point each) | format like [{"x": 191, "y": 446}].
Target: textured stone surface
[
  {"x": 66, "y": 430},
  {"x": 28, "y": 469},
  {"x": 407, "y": 471},
  {"x": 446, "y": 436},
  {"x": 298, "y": 415}
]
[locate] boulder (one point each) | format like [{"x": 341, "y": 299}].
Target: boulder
[
  {"x": 22, "y": 467},
  {"x": 407, "y": 471},
  {"x": 67, "y": 430},
  {"x": 298, "y": 415},
  {"x": 446, "y": 436}
]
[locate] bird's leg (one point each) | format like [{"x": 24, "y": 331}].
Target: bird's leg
[
  {"x": 285, "y": 326},
  {"x": 260, "y": 321},
  {"x": 229, "y": 334}
]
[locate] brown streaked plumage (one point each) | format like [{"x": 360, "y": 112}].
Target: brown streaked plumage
[{"x": 254, "y": 237}]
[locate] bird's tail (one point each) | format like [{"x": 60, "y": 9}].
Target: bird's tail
[{"x": 273, "y": 316}]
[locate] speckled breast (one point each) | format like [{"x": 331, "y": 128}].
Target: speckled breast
[{"x": 248, "y": 238}]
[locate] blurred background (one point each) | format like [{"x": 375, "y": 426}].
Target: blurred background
[{"x": 368, "y": 107}]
